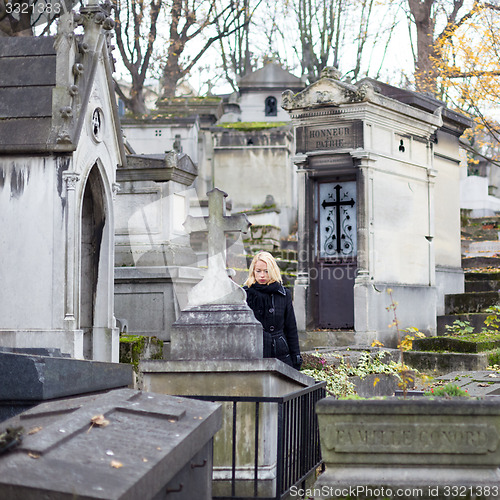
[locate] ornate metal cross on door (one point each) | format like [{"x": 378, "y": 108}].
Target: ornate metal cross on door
[{"x": 337, "y": 231}]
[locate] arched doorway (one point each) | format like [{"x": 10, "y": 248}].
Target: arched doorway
[{"x": 92, "y": 228}]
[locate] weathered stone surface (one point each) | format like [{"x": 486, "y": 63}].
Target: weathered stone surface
[
  {"x": 34, "y": 378},
  {"x": 328, "y": 90},
  {"x": 363, "y": 441},
  {"x": 251, "y": 378},
  {"x": 445, "y": 362},
  {"x": 476, "y": 383},
  {"x": 171, "y": 166},
  {"x": 28, "y": 379},
  {"x": 217, "y": 332},
  {"x": 149, "y": 446},
  {"x": 472, "y": 302},
  {"x": 216, "y": 287}
]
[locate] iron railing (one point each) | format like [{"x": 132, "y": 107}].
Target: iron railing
[{"x": 298, "y": 449}]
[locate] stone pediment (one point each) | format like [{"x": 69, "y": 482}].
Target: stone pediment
[{"x": 328, "y": 90}]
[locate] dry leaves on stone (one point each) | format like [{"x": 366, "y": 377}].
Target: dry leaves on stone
[
  {"x": 116, "y": 464},
  {"x": 99, "y": 421}
]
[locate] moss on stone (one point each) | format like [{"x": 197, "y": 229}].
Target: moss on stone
[
  {"x": 134, "y": 348},
  {"x": 251, "y": 126}
]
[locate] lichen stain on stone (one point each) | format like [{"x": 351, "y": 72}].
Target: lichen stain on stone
[
  {"x": 62, "y": 164},
  {"x": 19, "y": 178}
]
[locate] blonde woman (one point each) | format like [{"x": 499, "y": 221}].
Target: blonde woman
[{"x": 272, "y": 305}]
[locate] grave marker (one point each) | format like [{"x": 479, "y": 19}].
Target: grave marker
[
  {"x": 216, "y": 287},
  {"x": 217, "y": 324},
  {"x": 123, "y": 445}
]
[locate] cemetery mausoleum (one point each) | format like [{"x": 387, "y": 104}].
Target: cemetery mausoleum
[
  {"x": 60, "y": 145},
  {"x": 379, "y": 206}
]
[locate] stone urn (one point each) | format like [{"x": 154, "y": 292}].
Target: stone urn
[{"x": 422, "y": 447}]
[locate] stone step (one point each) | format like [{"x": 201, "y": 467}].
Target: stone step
[
  {"x": 476, "y": 320},
  {"x": 440, "y": 363},
  {"x": 492, "y": 285},
  {"x": 321, "y": 339},
  {"x": 486, "y": 248},
  {"x": 455, "y": 344},
  {"x": 475, "y": 262},
  {"x": 472, "y": 302},
  {"x": 482, "y": 276}
]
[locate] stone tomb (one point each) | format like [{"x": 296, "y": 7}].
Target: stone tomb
[
  {"x": 425, "y": 447},
  {"x": 217, "y": 352},
  {"x": 125, "y": 444},
  {"x": 154, "y": 264},
  {"x": 31, "y": 376}
]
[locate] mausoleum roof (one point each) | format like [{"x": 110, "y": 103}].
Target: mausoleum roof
[
  {"x": 46, "y": 84},
  {"x": 271, "y": 77},
  {"x": 421, "y": 101},
  {"x": 27, "y": 79}
]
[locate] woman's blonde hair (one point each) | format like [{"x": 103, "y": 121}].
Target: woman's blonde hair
[{"x": 272, "y": 268}]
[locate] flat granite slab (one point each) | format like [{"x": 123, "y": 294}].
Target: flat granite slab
[
  {"x": 28, "y": 377},
  {"x": 125, "y": 444},
  {"x": 477, "y": 383}
]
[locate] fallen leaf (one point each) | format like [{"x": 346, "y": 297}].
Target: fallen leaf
[
  {"x": 99, "y": 420},
  {"x": 33, "y": 455},
  {"x": 35, "y": 430},
  {"x": 115, "y": 464}
]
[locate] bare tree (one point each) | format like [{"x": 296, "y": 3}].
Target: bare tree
[
  {"x": 205, "y": 21},
  {"x": 424, "y": 14},
  {"x": 132, "y": 19},
  {"x": 236, "y": 50},
  {"x": 341, "y": 33}
]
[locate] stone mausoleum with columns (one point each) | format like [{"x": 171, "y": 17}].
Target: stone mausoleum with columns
[{"x": 379, "y": 209}]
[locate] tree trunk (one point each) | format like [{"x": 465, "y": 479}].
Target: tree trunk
[{"x": 425, "y": 66}]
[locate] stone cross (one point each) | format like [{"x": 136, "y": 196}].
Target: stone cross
[{"x": 216, "y": 287}]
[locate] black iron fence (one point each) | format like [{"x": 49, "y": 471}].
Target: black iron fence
[{"x": 298, "y": 449}]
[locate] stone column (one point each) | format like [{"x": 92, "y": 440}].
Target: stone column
[
  {"x": 301, "y": 285},
  {"x": 364, "y": 216},
  {"x": 70, "y": 322},
  {"x": 70, "y": 178},
  {"x": 431, "y": 182},
  {"x": 363, "y": 289}
]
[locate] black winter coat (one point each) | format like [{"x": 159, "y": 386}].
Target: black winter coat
[{"x": 272, "y": 306}]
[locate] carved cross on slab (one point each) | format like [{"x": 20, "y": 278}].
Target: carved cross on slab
[{"x": 216, "y": 287}]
